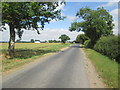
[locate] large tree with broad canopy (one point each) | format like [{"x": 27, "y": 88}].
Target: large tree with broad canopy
[
  {"x": 27, "y": 15},
  {"x": 95, "y": 23}
]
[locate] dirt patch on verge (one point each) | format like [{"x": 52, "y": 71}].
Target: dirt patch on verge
[{"x": 94, "y": 79}]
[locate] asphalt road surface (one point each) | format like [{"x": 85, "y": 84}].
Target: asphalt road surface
[{"x": 65, "y": 69}]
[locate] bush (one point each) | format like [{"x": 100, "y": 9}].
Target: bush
[
  {"x": 108, "y": 46},
  {"x": 86, "y": 43}
]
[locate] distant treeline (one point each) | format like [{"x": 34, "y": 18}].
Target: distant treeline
[
  {"x": 3, "y": 42},
  {"x": 16, "y": 42},
  {"x": 33, "y": 41}
]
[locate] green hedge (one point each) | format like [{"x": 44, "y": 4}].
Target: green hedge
[
  {"x": 108, "y": 46},
  {"x": 86, "y": 43}
]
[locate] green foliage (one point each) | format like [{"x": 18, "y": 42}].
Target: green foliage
[
  {"x": 18, "y": 41},
  {"x": 108, "y": 46},
  {"x": 75, "y": 26},
  {"x": 86, "y": 43},
  {"x": 26, "y": 15},
  {"x": 53, "y": 41},
  {"x": 32, "y": 40},
  {"x": 64, "y": 38},
  {"x": 96, "y": 23},
  {"x": 81, "y": 38}
]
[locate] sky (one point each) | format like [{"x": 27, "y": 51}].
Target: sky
[{"x": 53, "y": 30}]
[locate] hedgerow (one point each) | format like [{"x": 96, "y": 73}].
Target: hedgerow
[
  {"x": 86, "y": 43},
  {"x": 109, "y": 47}
]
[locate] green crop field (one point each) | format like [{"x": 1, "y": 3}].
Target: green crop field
[{"x": 28, "y": 52}]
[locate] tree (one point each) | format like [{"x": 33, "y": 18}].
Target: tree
[
  {"x": 96, "y": 23},
  {"x": 27, "y": 15},
  {"x": 81, "y": 38},
  {"x": 64, "y": 38},
  {"x": 32, "y": 40},
  {"x": 53, "y": 41},
  {"x": 18, "y": 41}
]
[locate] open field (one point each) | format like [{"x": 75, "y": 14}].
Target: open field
[
  {"x": 28, "y": 52},
  {"x": 106, "y": 68}
]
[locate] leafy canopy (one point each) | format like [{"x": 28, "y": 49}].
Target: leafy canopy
[
  {"x": 27, "y": 15},
  {"x": 64, "y": 38},
  {"x": 109, "y": 46},
  {"x": 81, "y": 38},
  {"x": 96, "y": 23}
]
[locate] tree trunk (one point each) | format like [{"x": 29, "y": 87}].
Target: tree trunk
[{"x": 11, "y": 41}]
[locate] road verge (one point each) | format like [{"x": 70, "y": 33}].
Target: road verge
[
  {"x": 106, "y": 68},
  {"x": 94, "y": 79}
]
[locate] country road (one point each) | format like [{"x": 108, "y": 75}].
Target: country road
[{"x": 65, "y": 69}]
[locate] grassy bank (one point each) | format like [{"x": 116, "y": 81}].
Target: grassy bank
[
  {"x": 106, "y": 68},
  {"x": 28, "y": 52}
]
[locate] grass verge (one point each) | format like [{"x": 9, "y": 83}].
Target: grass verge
[
  {"x": 105, "y": 67},
  {"x": 28, "y": 52}
]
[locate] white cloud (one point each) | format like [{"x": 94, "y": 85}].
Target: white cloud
[
  {"x": 114, "y": 13},
  {"x": 49, "y": 34},
  {"x": 4, "y": 34},
  {"x": 111, "y": 3},
  {"x": 72, "y": 18},
  {"x": 46, "y": 34},
  {"x": 60, "y": 7},
  {"x": 53, "y": 20},
  {"x": 115, "y": 30}
]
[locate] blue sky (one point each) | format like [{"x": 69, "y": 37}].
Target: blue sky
[
  {"x": 70, "y": 10},
  {"x": 56, "y": 28}
]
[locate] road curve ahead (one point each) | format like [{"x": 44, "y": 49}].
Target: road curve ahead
[{"x": 65, "y": 69}]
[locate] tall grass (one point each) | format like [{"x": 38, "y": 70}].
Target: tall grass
[{"x": 106, "y": 68}]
